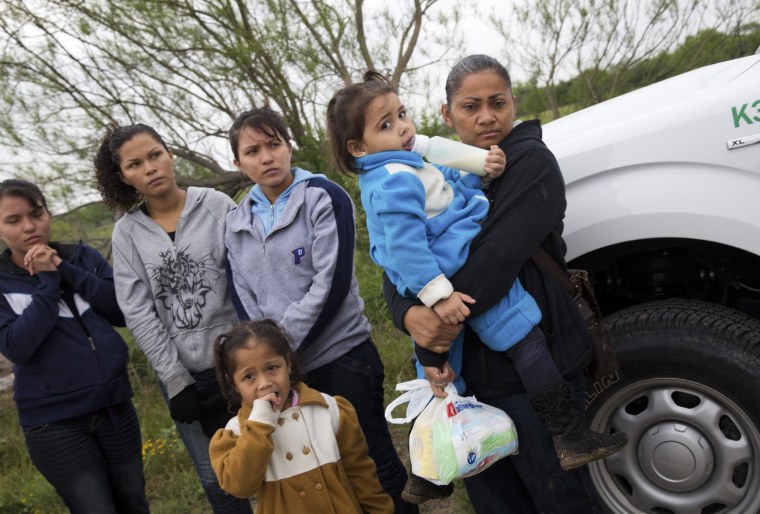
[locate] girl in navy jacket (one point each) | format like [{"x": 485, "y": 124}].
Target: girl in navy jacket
[{"x": 57, "y": 308}]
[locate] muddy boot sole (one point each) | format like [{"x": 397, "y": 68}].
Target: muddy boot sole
[{"x": 574, "y": 456}]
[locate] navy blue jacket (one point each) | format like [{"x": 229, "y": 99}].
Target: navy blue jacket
[{"x": 65, "y": 365}]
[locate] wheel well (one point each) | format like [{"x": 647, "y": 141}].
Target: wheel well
[{"x": 654, "y": 269}]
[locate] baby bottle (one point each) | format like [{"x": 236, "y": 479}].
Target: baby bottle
[{"x": 448, "y": 152}]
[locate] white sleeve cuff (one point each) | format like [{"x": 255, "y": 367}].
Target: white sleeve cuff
[
  {"x": 234, "y": 426},
  {"x": 437, "y": 289},
  {"x": 263, "y": 413}
]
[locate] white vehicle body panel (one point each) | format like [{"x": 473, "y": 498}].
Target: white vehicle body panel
[{"x": 625, "y": 168}]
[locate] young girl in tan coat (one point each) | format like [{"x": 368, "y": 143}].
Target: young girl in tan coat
[{"x": 296, "y": 449}]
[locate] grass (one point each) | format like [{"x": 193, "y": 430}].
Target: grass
[{"x": 172, "y": 484}]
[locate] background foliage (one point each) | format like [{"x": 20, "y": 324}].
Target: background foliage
[
  {"x": 68, "y": 69},
  {"x": 188, "y": 67}
]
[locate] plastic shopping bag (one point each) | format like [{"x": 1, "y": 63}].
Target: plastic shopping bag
[
  {"x": 453, "y": 436},
  {"x": 417, "y": 394}
]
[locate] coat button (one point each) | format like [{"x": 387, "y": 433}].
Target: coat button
[
  {"x": 296, "y": 415},
  {"x": 289, "y": 456},
  {"x": 280, "y": 421},
  {"x": 318, "y": 487},
  {"x": 302, "y": 494},
  {"x": 306, "y": 450}
]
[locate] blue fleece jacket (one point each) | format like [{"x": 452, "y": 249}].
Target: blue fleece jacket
[
  {"x": 421, "y": 220},
  {"x": 64, "y": 366}
]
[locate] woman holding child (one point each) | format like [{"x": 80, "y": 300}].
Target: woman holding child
[{"x": 526, "y": 212}]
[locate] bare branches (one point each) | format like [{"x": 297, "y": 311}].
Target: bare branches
[
  {"x": 600, "y": 40},
  {"x": 70, "y": 68}
]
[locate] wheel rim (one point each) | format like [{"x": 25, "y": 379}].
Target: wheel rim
[{"x": 691, "y": 451}]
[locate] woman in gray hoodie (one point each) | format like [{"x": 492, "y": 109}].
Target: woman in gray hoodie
[
  {"x": 290, "y": 245},
  {"x": 169, "y": 270}
]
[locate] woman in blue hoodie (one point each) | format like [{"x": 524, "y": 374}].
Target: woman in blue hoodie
[
  {"x": 57, "y": 308},
  {"x": 290, "y": 249}
]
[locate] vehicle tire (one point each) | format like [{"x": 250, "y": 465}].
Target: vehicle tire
[{"x": 688, "y": 396}]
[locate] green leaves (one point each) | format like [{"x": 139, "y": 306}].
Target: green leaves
[{"x": 188, "y": 67}]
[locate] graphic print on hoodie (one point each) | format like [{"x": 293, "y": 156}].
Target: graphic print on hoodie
[{"x": 182, "y": 284}]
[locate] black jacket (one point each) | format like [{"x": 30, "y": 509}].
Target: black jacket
[{"x": 527, "y": 208}]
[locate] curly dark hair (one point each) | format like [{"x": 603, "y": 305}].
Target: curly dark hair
[
  {"x": 265, "y": 331},
  {"x": 347, "y": 113},
  {"x": 116, "y": 193}
]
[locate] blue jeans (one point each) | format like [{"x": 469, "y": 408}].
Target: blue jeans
[
  {"x": 532, "y": 481},
  {"x": 94, "y": 461},
  {"x": 197, "y": 443},
  {"x": 358, "y": 377}
]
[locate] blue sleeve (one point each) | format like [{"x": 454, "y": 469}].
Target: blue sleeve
[
  {"x": 22, "y": 334},
  {"x": 451, "y": 174},
  {"x": 94, "y": 282},
  {"x": 236, "y": 302},
  {"x": 470, "y": 180},
  {"x": 468, "y": 183},
  {"x": 399, "y": 205}
]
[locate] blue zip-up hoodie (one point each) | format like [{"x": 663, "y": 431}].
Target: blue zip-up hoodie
[
  {"x": 63, "y": 367},
  {"x": 267, "y": 212},
  {"x": 421, "y": 220}
]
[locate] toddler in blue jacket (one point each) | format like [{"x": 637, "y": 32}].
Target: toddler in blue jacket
[{"x": 421, "y": 220}]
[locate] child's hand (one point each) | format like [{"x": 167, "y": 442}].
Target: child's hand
[
  {"x": 452, "y": 310},
  {"x": 495, "y": 163},
  {"x": 275, "y": 400},
  {"x": 439, "y": 378}
]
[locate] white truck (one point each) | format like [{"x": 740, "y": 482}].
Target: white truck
[{"x": 663, "y": 191}]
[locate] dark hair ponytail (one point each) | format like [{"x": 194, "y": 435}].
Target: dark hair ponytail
[{"x": 347, "y": 114}]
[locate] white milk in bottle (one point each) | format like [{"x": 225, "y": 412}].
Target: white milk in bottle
[{"x": 448, "y": 152}]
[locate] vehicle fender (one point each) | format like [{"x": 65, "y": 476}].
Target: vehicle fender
[{"x": 656, "y": 200}]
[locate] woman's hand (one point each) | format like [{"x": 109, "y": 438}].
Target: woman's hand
[
  {"x": 496, "y": 162},
  {"x": 429, "y": 330},
  {"x": 439, "y": 378},
  {"x": 452, "y": 310},
  {"x": 41, "y": 258}
]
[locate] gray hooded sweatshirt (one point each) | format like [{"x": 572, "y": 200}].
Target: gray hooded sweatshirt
[
  {"x": 174, "y": 293},
  {"x": 299, "y": 269}
]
